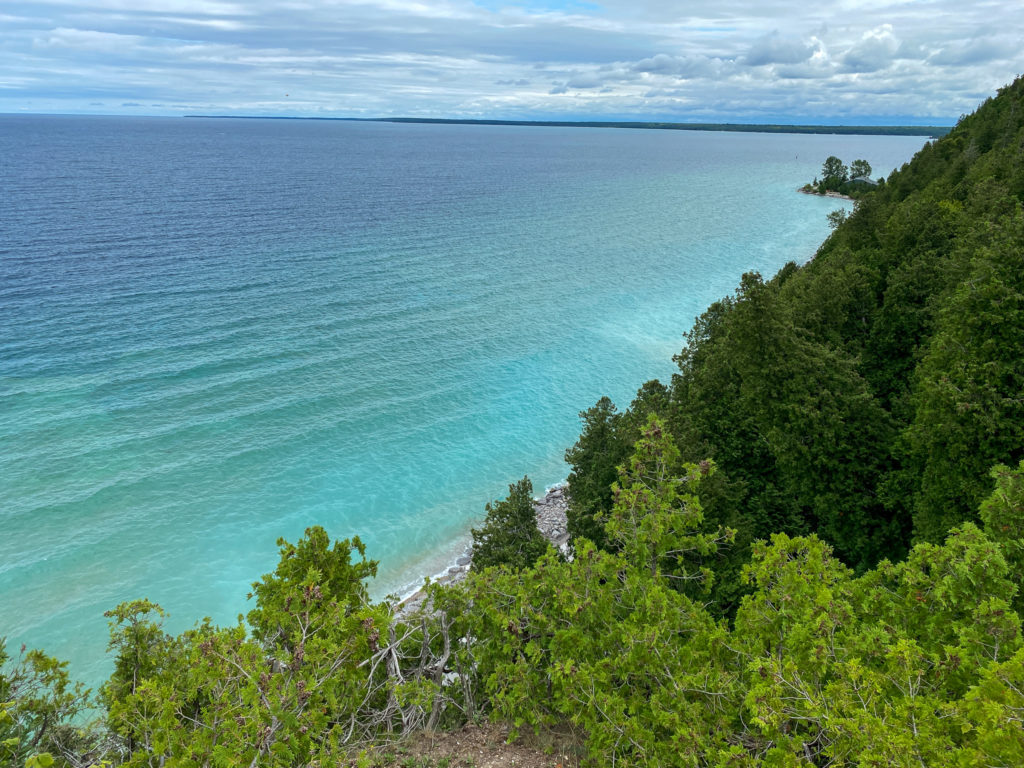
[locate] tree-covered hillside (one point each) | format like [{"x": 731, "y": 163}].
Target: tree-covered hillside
[
  {"x": 804, "y": 550},
  {"x": 865, "y": 395}
]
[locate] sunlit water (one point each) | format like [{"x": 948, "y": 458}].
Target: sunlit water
[{"x": 214, "y": 333}]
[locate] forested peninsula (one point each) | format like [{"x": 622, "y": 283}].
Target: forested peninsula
[{"x": 806, "y": 549}]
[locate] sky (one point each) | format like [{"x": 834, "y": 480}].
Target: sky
[{"x": 832, "y": 62}]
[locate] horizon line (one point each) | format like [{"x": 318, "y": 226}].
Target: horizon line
[{"x": 900, "y": 130}]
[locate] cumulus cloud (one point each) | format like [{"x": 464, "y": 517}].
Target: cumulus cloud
[
  {"x": 875, "y": 51},
  {"x": 776, "y": 49}
]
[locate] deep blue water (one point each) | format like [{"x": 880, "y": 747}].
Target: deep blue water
[{"x": 217, "y": 332}]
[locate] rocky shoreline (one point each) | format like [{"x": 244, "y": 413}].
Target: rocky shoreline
[
  {"x": 836, "y": 195},
  {"x": 552, "y": 521}
]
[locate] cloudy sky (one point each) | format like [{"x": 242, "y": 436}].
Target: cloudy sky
[{"x": 836, "y": 61}]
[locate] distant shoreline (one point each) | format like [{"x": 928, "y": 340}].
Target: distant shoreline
[{"x": 932, "y": 131}]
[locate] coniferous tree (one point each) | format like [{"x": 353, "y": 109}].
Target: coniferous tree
[
  {"x": 1003, "y": 516},
  {"x": 969, "y": 409},
  {"x": 509, "y": 535},
  {"x": 594, "y": 461},
  {"x": 39, "y": 706}
]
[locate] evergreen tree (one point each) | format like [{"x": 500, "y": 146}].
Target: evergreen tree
[
  {"x": 1003, "y": 516},
  {"x": 509, "y": 535},
  {"x": 39, "y": 707},
  {"x": 969, "y": 409},
  {"x": 656, "y": 520},
  {"x": 593, "y": 462}
]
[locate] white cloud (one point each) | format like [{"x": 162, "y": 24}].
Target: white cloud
[
  {"x": 183, "y": 7},
  {"x": 776, "y": 49},
  {"x": 86, "y": 40},
  {"x": 649, "y": 59},
  {"x": 978, "y": 51},
  {"x": 681, "y": 66},
  {"x": 591, "y": 80},
  {"x": 224, "y": 24},
  {"x": 876, "y": 50}
]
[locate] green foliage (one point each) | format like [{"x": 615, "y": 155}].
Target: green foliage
[
  {"x": 872, "y": 671},
  {"x": 909, "y": 664},
  {"x": 917, "y": 662},
  {"x": 140, "y": 648},
  {"x": 509, "y": 535},
  {"x": 993, "y": 710},
  {"x": 39, "y": 712},
  {"x": 309, "y": 679},
  {"x": 42, "y": 760},
  {"x": 605, "y": 443},
  {"x": 836, "y": 217},
  {"x": 594, "y": 461},
  {"x": 604, "y": 641},
  {"x": 656, "y": 518},
  {"x": 833, "y": 172},
  {"x": 860, "y": 169},
  {"x": 791, "y": 417},
  {"x": 969, "y": 412},
  {"x": 1003, "y": 516},
  {"x": 311, "y": 574},
  {"x": 787, "y": 634}
]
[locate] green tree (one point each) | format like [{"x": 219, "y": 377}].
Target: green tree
[
  {"x": 1003, "y": 516},
  {"x": 321, "y": 669},
  {"x": 968, "y": 410},
  {"x": 509, "y": 535},
  {"x": 39, "y": 706},
  {"x": 310, "y": 572},
  {"x": 993, "y": 714},
  {"x": 593, "y": 462},
  {"x": 141, "y": 651},
  {"x": 787, "y": 633},
  {"x": 860, "y": 169},
  {"x": 833, "y": 173},
  {"x": 604, "y": 445},
  {"x": 792, "y": 418},
  {"x": 875, "y": 670},
  {"x": 604, "y": 641},
  {"x": 836, "y": 218},
  {"x": 656, "y": 520}
]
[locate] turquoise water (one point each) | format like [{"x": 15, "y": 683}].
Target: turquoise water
[{"x": 215, "y": 333}]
